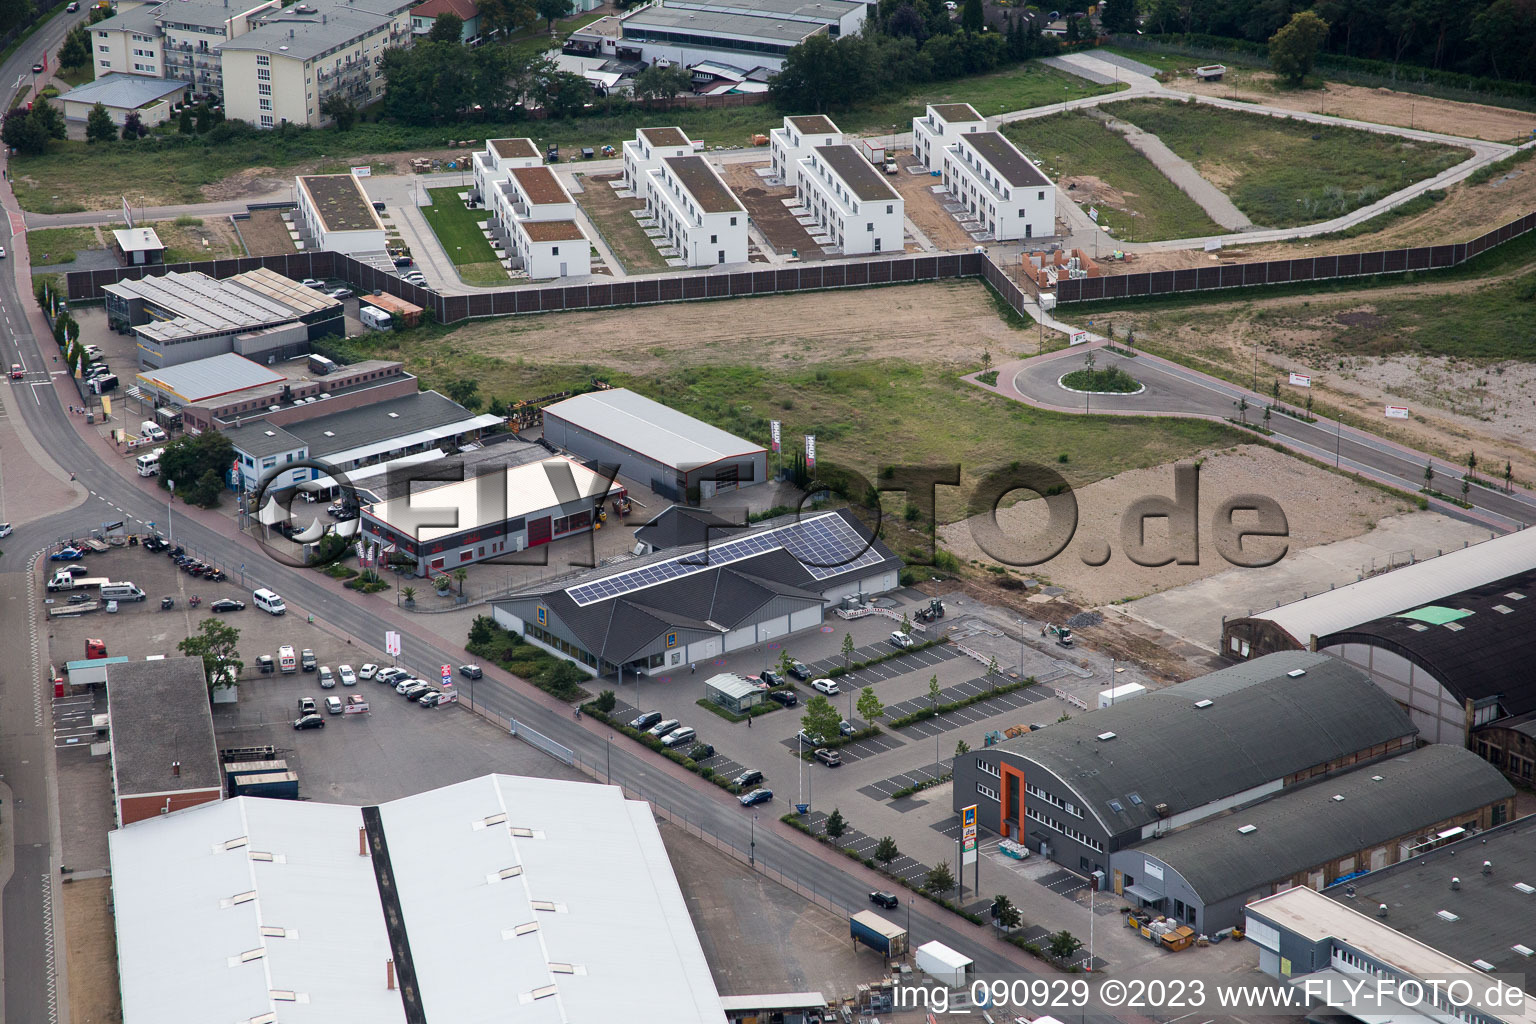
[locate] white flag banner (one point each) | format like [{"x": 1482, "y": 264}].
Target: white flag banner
[
  {"x": 774, "y": 427},
  {"x": 362, "y": 552},
  {"x": 810, "y": 451}
]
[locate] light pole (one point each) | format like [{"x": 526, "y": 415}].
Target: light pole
[
  {"x": 608, "y": 771},
  {"x": 170, "y": 528},
  {"x": 752, "y": 846}
]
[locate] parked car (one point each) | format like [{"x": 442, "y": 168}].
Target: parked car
[
  {"x": 79, "y": 598},
  {"x": 348, "y": 677},
  {"x": 367, "y": 671},
  {"x": 888, "y": 900},
  {"x": 306, "y": 706},
  {"x": 748, "y": 778},
  {"x": 846, "y": 728},
  {"x": 227, "y": 604},
  {"x": 403, "y": 261},
  {"x": 327, "y": 680},
  {"x": 404, "y": 683},
  {"x": 677, "y": 737},
  {"x": 390, "y": 676},
  {"x": 785, "y": 697},
  {"x": 265, "y": 665},
  {"x": 902, "y": 640},
  {"x": 310, "y": 282},
  {"x": 660, "y": 729},
  {"x": 471, "y": 671},
  {"x": 420, "y": 690},
  {"x": 830, "y": 758},
  {"x": 67, "y": 554},
  {"x": 432, "y": 699},
  {"x": 826, "y": 686},
  {"x": 307, "y": 660},
  {"x": 333, "y": 705},
  {"x": 646, "y": 720},
  {"x": 5, "y": 529},
  {"x": 757, "y": 796},
  {"x": 799, "y": 671},
  {"x": 78, "y": 569},
  {"x": 808, "y": 739},
  {"x": 700, "y": 751},
  {"x": 310, "y": 722},
  {"x": 772, "y": 678},
  {"x": 341, "y": 293},
  {"x": 152, "y": 543}
]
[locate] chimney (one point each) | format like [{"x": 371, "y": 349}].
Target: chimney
[
  {"x": 362, "y": 841},
  {"x": 1455, "y": 884},
  {"x": 175, "y": 768},
  {"x": 389, "y": 975},
  {"x": 1487, "y": 867}
]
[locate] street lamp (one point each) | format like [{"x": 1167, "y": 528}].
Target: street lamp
[
  {"x": 752, "y": 847},
  {"x": 608, "y": 771}
]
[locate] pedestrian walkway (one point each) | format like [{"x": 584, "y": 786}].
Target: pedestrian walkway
[{"x": 1183, "y": 174}]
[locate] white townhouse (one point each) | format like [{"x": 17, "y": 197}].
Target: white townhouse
[
  {"x": 496, "y": 161},
  {"x": 793, "y": 142},
  {"x": 851, "y": 201},
  {"x": 939, "y": 127},
  {"x": 536, "y": 219},
  {"x": 645, "y": 152},
  {"x": 703, "y": 220},
  {"x": 1000, "y": 186}
]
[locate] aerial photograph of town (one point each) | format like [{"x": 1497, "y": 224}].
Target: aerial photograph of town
[{"x": 1095, "y": 443}]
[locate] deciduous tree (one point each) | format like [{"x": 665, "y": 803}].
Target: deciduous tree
[
  {"x": 99, "y": 126},
  {"x": 446, "y": 28},
  {"x": 217, "y": 643},
  {"x": 1293, "y": 49}
]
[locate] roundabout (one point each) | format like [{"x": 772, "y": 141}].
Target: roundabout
[{"x": 1108, "y": 380}]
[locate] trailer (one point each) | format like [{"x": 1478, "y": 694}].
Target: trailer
[
  {"x": 943, "y": 964},
  {"x": 91, "y": 671},
  {"x": 878, "y": 934},
  {"x": 66, "y": 611},
  {"x": 62, "y": 583},
  {"x": 873, "y": 151}
]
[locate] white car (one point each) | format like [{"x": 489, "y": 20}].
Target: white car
[
  {"x": 405, "y": 683},
  {"x": 367, "y": 671},
  {"x": 327, "y": 680},
  {"x": 348, "y": 677},
  {"x": 902, "y": 640},
  {"x": 391, "y": 676},
  {"x": 826, "y": 686},
  {"x": 5, "y": 529}
]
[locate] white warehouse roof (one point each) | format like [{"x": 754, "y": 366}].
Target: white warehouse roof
[
  {"x": 555, "y": 897},
  {"x": 651, "y": 429}
]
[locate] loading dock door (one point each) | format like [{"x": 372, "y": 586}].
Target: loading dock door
[{"x": 538, "y": 531}]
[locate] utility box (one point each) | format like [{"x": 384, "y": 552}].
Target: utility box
[
  {"x": 878, "y": 934},
  {"x": 943, "y": 964},
  {"x": 873, "y": 151},
  {"x": 1120, "y": 694}
]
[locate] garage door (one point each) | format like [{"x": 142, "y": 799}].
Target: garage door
[
  {"x": 773, "y": 628},
  {"x": 806, "y": 618},
  {"x": 538, "y": 531},
  {"x": 736, "y": 639},
  {"x": 704, "y": 649}
]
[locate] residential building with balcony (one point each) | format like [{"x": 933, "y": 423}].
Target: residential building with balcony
[
  {"x": 939, "y": 127},
  {"x": 494, "y": 164},
  {"x": 535, "y": 218},
  {"x": 702, "y": 219},
  {"x": 851, "y": 201},
  {"x": 796, "y": 140},
  {"x": 424, "y": 16},
  {"x": 1001, "y": 188},
  {"x": 646, "y": 151},
  {"x": 176, "y": 40}
]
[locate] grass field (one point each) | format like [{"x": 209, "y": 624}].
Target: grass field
[
  {"x": 1283, "y": 172},
  {"x": 1077, "y": 143},
  {"x": 166, "y": 170},
  {"x": 458, "y": 231},
  {"x": 621, "y": 232},
  {"x": 60, "y": 244}
]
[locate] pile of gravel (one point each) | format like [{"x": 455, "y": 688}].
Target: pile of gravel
[{"x": 1082, "y": 620}]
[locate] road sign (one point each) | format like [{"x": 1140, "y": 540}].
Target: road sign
[
  {"x": 1301, "y": 380},
  {"x": 447, "y": 675},
  {"x": 1093, "y": 214},
  {"x": 968, "y": 825},
  {"x": 392, "y": 643},
  {"x": 1397, "y": 412}
]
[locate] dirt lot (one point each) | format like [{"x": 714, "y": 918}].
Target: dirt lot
[
  {"x": 207, "y": 238},
  {"x": 91, "y": 952},
  {"x": 765, "y": 203},
  {"x": 923, "y": 207},
  {"x": 1319, "y": 506},
  {"x": 929, "y": 323},
  {"x": 1379, "y": 106},
  {"x": 266, "y": 234}
]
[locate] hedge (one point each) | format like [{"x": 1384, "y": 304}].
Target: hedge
[
  {"x": 919, "y": 787},
  {"x": 730, "y": 716},
  {"x": 931, "y": 712},
  {"x": 512, "y": 653},
  {"x": 842, "y": 671},
  {"x": 655, "y": 744}
]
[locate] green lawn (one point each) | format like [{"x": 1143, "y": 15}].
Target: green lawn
[
  {"x": 537, "y": 39},
  {"x": 1076, "y": 143},
  {"x": 1018, "y": 88},
  {"x": 76, "y": 77},
  {"x": 1283, "y": 172},
  {"x": 458, "y": 229},
  {"x": 60, "y": 244}
]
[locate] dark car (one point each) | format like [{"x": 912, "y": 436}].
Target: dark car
[
  {"x": 757, "y": 796},
  {"x": 784, "y": 697},
  {"x": 772, "y": 678},
  {"x": 749, "y": 777},
  {"x": 884, "y": 899},
  {"x": 214, "y": 575},
  {"x": 799, "y": 670},
  {"x": 646, "y": 720},
  {"x": 307, "y": 660},
  {"x": 418, "y": 691},
  {"x": 702, "y": 751},
  {"x": 264, "y": 664},
  {"x": 471, "y": 672},
  {"x": 156, "y": 544},
  {"x": 79, "y": 598},
  {"x": 227, "y": 604},
  {"x": 309, "y": 722},
  {"x": 404, "y": 261}
]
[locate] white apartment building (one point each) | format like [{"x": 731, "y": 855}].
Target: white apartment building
[
  {"x": 796, "y": 140},
  {"x": 703, "y": 220},
  {"x": 176, "y": 40},
  {"x": 496, "y": 161},
  {"x": 1000, "y": 187},
  {"x": 336, "y": 214},
  {"x": 941, "y": 126},
  {"x": 646, "y": 151},
  {"x": 535, "y": 217},
  {"x": 851, "y": 201}
]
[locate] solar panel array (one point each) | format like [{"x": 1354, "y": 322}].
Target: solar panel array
[{"x": 826, "y": 546}]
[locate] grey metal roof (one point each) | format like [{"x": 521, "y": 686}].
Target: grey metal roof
[
  {"x": 201, "y": 305},
  {"x": 1492, "y": 915},
  {"x": 1408, "y": 587},
  {"x": 718, "y": 23},
  {"x": 202, "y": 380},
  {"x": 127, "y": 92},
  {"x": 651, "y": 429},
  {"x": 159, "y": 713},
  {"x": 260, "y": 439},
  {"x": 393, "y": 417},
  {"x": 827, "y": 11},
  {"x": 307, "y": 36},
  {"x": 857, "y": 173},
  {"x": 1305, "y": 827},
  {"x": 1261, "y": 725},
  {"x": 679, "y": 524}
]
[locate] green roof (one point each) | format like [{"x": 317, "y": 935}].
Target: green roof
[{"x": 1436, "y": 614}]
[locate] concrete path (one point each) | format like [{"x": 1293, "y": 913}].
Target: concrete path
[{"x": 1183, "y": 174}]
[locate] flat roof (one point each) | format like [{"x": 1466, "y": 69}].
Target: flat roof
[
  {"x": 1261, "y": 724},
  {"x": 955, "y": 113},
  {"x": 556, "y": 483},
  {"x": 340, "y": 202},
  {"x": 258, "y": 439},
  {"x": 813, "y": 124},
  {"x": 665, "y": 136},
  {"x": 383, "y": 426},
  {"x": 774, "y": 1001},
  {"x": 137, "y": 240},
  {"x": 857, "y": 173},
  {"x": 1014, "y": 167},
  {"x": 701, "y": 182},
  {"x": 286, "y": 291},
  {"x": 286, "y": 33},
  {"x": 1420, "y": 583},
  {"x": 655, "y": 431},
  {"x": 125, "y": 92},
  {"x": 512, "y": 148},
  {"x": 553, "y": 231},
  {"x": 1304, "y": 827},
  {"x": 202, "y": 380},
  {"x": 720, "y": 23},
  {"x": 159, "y": 713},
  {"x": 827, "y": 11},
  {"x": 540, "y": 185},
  {"x": 199, "y": 304}
]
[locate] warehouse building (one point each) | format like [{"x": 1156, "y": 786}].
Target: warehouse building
[
  {"x": 653, "y": 614},
  {"x": 939, "y": 128},
  {"x": 700, "y": 217},
  {"x": 796, "y": 140},
  {"x": 556, "y": 897},
  {"x": 1459, "y": 910},
  {"x": 1001, "y": 188},
  {"x": 653, "y": 445},
  {"x": 164, "y": 757},
  {"x": 510, "y": 509},
  {"x": 851, "y": 201},
  {"x": 230, "y": 390},
  {"x": 335, "y": 214},
  {"x": 179, "y": 317},
  {"x": 1081, "y": 790},
  {"x": 736, "y": 32},
  {"x": 1313, "y": 835},
  {"x": 645, "y": 152}
]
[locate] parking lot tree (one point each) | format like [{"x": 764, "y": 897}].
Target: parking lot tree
[
  {"x": 218, "y": 644},
  {"x": 820, "y": 718},
  {"x": 340, "y": 110},
  {"x": 191, "y": 459},
  {"x": 992, "y": 673},
  {"x": 1293, "y": 49},
  {"x": 550, "y": 10},
  {"x": 940, "y": 878},
  {"x": 606, "y": 702},
  {"x": 886, "y": 851},
  {"x": 1005, "y": 913},
  {"x": 446, "y": 28},
  {"x": 962, "y": 748},
  {"x": 847, "y": 649},
  {"x": 99, "y": 126},
  {"x": 869, "y": 706},
  {"x": 933, "y": 689},
  {"x": 784, "y": 663},
  {"x": 836, "y": 824},
  {"x": 906, "y": 623}
]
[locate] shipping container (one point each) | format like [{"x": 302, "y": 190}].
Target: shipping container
[
  {"x": 1120, "y": 694},
  {"x": 943, "y": 964}
]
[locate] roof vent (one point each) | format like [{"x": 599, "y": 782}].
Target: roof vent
[
  {"x": 1523, "y": 887},
  {"x": 1455, "y": 627},
  {"x": 495, "y": 819},
  {"x": 1525, "y": 951},
  {"x": 1381, "y": 910},
  {"x": 1293, "y": 673},
  {"x": 1204, "y": 703},
  {"x": 1375, "y": 778},
  {"x": 1106, "y": 736},
  {"x": 1455, "y": 883},
  {"x": 1487, "y": 867},
  {"x": 526, "y": 929},
  {"x": 1446, "y": 915},
  {"x": 394, "y": 415},
  {"x": 1482, "y": 965},
  {"x": 1247, "y": 829},
  {"x": 1337, "y": 798},
  {"x": 1503, "y": 609},
  {"x": 330, "y": 433},
  {"x": 1418, "y": 627},
  {"x": 1515, "y": 595},
  {"x": 270, "y": 433},
  {"x": 511, "y": 872}
]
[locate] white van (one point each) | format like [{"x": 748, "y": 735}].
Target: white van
[
  {"x": 149, "y": 465},
  {"x": 124, "y": 591},
  {"x": 269, "y": 602},
  {"x": 150, "y": 431},
  {"x": 286, "y": 661}
]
